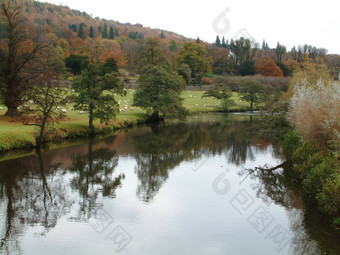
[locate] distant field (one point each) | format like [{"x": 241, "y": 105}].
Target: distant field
[{"x": 15, "y": 135}]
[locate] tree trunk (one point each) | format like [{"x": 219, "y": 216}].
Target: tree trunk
[
  {"x": 41, "y": 135},
  {"x": 251, "y": 105},
  {"x": 12, "y": 103},
  {"x": 91, "y": 126}
]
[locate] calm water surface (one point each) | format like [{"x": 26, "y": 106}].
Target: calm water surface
[{"x": 178, "y": 188}]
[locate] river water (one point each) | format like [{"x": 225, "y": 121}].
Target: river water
[{"x": 176, "y": 188}]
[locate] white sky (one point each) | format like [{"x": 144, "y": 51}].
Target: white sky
[{"x": 291, "y": 22}]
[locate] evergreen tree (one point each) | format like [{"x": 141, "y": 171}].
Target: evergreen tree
[
  {"x": 91, "y": 32},
  {"x": 111, "y": 34},
  {"x": 104, "y": 31},
  {"x": 224, "y": 45},
  {"x": 162, "y": 36},
  {"x": 198, "y": 40},
  {"x": 81, "y": 33},
  {"x": 218, "y": 41},
  {"x": 116, "y": 32},
  {"x": 100, "y": 29}
]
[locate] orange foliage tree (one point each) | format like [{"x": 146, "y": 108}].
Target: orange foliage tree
[{"x": 267, "y": 68}]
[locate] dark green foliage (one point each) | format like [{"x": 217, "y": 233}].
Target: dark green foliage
[
  {"x": 246, "y": 68},
  {"x": 224, "y": 44},
  {"x": 318, "y": 171},
  {"x": 285, "y": 70},
  {"x": 185, "y": 71},
  {"x": 91, "y": 34},
  {"x": 75, "y": 63},
  {"x": 198, "y": 41},
  {"x": 136, "y": 35},
  {"x": 162, "y": 36},
  {"x": 104, "y": 31},
  {"x": 109, "y": 66},
  {"x": 73, "y": 27},
  {"x": 111, "y": 34},
  {"x": 152, "y": 54},
  {"x": 252, "y": 92},
  {"x": 173, "y": 46},
  {"x": 81, "y": 33},
  {"x": 160, "y": 92},
  {"x": 94, "y": 93},
  {"x": 116, "y": 32},
  {"x": 218, "y": 41},
  {"x": 221, "y": 92}
]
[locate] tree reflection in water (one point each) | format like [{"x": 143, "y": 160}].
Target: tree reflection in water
[
  {"x": 308, "y": 227},
  {"x": 36, "y": 195},
  {"x": 94, "y": 176},
  {"x": 37, "y": 190}
]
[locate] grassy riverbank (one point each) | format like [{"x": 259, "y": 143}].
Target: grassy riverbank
[{"x": 14, "y": 135}]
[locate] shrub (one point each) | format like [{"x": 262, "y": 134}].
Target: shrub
[
  {"x": 319, "y": 177},
  {"x": 315, "y": 113},
  {"x": 329, "y": 197},
  {"x": 291, "y": 141},
  {"x": 206, "y": 81}
]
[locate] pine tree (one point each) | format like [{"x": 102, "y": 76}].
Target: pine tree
[
  {"x": 111, "y": 34},
  {"x": 218, "y": 41},
  {"x": 162, "y": 36},
  {"x": 224, "y": 45},
  {"x": 198, "y": 40},
  {"x": 116, "y": 32},
  {"x": 81, "y": 33},
  {"x": 91, "y": 32},
  {"x": 104, "y": 31}
]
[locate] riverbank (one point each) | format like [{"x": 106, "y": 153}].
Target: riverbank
[{"x": 14, "y": 135}]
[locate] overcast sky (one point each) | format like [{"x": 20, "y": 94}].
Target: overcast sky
[{"x": 290, "y": 22}]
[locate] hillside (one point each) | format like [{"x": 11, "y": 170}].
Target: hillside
[{"x": 60, "y": 18}]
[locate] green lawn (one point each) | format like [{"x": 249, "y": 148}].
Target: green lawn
[{"x": 15, "y": 135}]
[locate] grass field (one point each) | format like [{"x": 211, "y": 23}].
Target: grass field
[{"x": 15, "y": 135}]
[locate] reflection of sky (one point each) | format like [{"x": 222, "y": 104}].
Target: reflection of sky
[{"x": 185, "y": 217}]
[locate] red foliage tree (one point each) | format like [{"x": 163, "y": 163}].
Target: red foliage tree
[{"x": 267, "y": 68}]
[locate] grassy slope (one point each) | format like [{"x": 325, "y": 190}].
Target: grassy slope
[{"x": 15, "y": 135}]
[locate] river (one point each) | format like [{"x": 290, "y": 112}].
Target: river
[{"x": 177, "y": 188}]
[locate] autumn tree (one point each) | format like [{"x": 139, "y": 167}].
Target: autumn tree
[
  {"x": 43, "y": 100},
  {"x": 17, "y": 51},
  {"x": 252, "y": 91},
  {"x": 94, "y": 93},
  {"x": 195, "y": 56},
  {"x": 267, "y": 68}
]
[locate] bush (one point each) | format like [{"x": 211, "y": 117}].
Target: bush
[
  {"x": 291, "y": 141},
  {"x": 329, "y": 197},
  {"x": 315, "y": 113},
  {"x": 206, "y": 81},
  {"x": 318, "y": 177}
]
